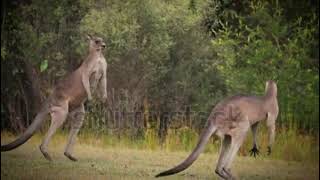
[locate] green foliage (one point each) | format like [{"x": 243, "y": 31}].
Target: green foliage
[
  {"x": 43, "y": 65},
  {"x": 175, "y": 55},
  {"x": 264, "y": 46},
  {"x": 3, "y": 53}
]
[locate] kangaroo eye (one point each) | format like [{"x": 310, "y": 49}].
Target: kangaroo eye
[{"x": 97, "y": 41}]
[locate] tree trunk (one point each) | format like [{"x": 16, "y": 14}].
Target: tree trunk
[
  {"x": 32, "y": 87},
  {"x": 163, "y": 126}
]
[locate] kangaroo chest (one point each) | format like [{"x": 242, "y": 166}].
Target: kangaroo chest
[{"x": 97, "y": 72}]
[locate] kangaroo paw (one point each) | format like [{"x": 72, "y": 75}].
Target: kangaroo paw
[
  {"x": 69, "y": 156},
  {"x": 254, "y": 151},
  {"x": 269, "y": 150}
]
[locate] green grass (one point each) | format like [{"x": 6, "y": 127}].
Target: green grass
[
  {"x": 100, "y": 160},
  {"x": 289, "y": 144}
]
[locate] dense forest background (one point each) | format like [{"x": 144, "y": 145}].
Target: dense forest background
[{"x": 169, "y": 61}]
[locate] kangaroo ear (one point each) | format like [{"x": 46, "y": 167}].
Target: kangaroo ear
[{"x": 89, "y": 37}]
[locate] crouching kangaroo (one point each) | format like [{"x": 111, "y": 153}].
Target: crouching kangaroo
[
  {"x": 230, "y": 120},
  {"x": 68, "y": 98}
]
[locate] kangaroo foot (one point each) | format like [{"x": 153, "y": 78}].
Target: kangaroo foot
[
  {"x": 69, "y": 156},
  {"x": 222, "y": 174},
  {"x": 228, "y": 172},
  {"x": 45, "y": 154}
]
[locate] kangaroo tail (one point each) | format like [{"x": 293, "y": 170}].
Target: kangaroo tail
[
  {"x": 35, "y": 125},
  {"x": 204, "y": 138}
]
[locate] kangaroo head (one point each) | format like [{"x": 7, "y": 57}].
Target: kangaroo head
[
  {"x": 271, "y": 88},
  {"x": 95, "y": 43}
]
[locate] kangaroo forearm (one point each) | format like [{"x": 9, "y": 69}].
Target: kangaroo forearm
[
  {"x": 86, "y": 85},
  {"x": 255, "y": 143},
  {"x": 103, "y": 82},
  {"x": 271, "y": 132},
  {"x": 254, "y": 128},
  {"x": 103, "y": 87}
]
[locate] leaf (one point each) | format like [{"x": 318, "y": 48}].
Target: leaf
[
  {"x": 43, "y": 65},
  {"x": 15, "y": 71},
  {"x": 3, "y": 53}
]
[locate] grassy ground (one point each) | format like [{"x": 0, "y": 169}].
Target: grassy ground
[{"x": 98, "y": 162}]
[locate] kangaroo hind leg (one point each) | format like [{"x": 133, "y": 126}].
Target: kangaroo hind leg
[
  {"x": 58, "y": 116},
  {"x": 236, "y": 141},
  {"x": 225, "y": 147},
  {"x": 234, "y": 147},
  {"x": 77, "y": 117}
]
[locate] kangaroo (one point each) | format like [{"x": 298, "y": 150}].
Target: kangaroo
[
  {"x": 68, "y": 98},
  {"x": 230, "y": 120}
]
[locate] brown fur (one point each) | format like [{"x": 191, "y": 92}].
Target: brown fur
[
  {"x": 68, "y": 98},
  {"x": 230, "y": 120}
]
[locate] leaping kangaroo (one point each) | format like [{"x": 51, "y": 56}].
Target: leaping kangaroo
[
  {"x": 68, "y": 98},
  {"x": 230, "y": 120}
]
